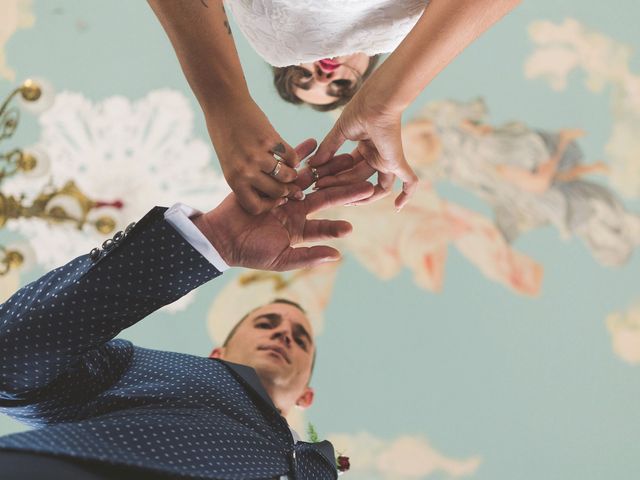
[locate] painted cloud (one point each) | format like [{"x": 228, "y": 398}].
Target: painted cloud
[
  {"x": 624, "y": 328},
  {"x": 562, "y": 48},
  {"x": 409, "y": 457},
  {"x": 16, "y": 14}
]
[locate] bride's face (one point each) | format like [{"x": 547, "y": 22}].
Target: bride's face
[{"x": 323, "y": 80}]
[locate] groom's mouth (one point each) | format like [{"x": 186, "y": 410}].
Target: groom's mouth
[{"x": 276, "y": 351}]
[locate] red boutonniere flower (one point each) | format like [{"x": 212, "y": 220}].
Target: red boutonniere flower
[{"x": 342, "y": 462}]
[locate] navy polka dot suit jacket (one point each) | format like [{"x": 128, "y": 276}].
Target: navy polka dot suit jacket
[{"x": 91, "y": 397}]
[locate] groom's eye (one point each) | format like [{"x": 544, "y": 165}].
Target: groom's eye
[{"x": 301, "y": 343}]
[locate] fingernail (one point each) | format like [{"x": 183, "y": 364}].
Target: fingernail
[
  {"x": 299, "y": 195},
  {"x": 283, "y": 201},
  {"x": 330, "y": 259}
]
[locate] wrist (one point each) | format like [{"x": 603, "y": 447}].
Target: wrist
[
  {"x": 383, "y": 98},
  {"x": 218, "y": 109},
  {"x": 207, "y": 224}
]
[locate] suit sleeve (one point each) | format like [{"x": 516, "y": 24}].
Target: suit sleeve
[{"x": 56, "y": 324}]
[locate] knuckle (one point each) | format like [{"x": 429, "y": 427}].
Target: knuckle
[
  {"x": 287, "y": 174},
  {"x": 266, "y": 141},
  {"x": 281, "y": 191},
  {"x": 243, "y": 171},
  {"x": 348, "y": 161},
  {"x": 254, "y": 158},
  {"x": 253, "y": 207}
]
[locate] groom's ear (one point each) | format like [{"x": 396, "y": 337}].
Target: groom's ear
[
  {"x": 217, "y": 352},
  {"x": 306, "y": 399}
]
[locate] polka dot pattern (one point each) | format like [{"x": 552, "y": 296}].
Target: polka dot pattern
[{"x": 91, "y": 397}]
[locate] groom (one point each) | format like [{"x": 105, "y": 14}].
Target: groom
[{"x": 106, "y": 409}]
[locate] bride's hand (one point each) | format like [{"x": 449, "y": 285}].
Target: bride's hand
[
  {"x": 245, "y": 142},
  {"x": 376, "y": 128}
]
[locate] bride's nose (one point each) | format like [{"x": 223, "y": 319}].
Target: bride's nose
[{"x": 321, "y": 76}]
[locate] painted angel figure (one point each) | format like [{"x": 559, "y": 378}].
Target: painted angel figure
[
  {"x": 530, "y": 177},
  {"x": 421, "y": 236}
]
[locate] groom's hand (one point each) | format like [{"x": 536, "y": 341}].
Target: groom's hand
[{"x": 268, "y": 241}]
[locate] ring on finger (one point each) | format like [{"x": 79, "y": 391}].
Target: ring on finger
[
  {"x": 277, "y": 155},
  {"x": 276, "y": 169},
  {"x": 314, "y": 175}
]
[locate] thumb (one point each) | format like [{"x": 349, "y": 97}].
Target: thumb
[
  {"x": 392, "y": 151},
  {"x": 409, "y": 184},
  {"x": 329, "y": 146}
]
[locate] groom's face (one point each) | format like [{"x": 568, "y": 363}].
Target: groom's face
[{"x": 277, "y": 341}]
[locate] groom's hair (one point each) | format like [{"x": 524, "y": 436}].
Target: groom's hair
[
  {"x": 287, "y": 79},
  {"x": 277, "y": 300}
]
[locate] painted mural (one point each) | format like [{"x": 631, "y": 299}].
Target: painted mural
[{"x": 545, "y": 220}]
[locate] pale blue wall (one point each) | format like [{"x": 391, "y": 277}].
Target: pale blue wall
[{"x": 532, "y": 385}]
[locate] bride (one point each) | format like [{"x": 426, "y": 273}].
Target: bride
[{"x": 323, "y": 51}]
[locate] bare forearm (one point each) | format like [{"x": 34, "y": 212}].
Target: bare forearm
[
  {"x": 200, "y": 34},
  {"x": 445, "y": 29}
]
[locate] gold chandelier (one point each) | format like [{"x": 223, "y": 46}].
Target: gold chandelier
[{"x": 67, "y": 204}]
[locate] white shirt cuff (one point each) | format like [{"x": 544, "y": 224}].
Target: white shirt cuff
[{"x": 178, "y": 217}]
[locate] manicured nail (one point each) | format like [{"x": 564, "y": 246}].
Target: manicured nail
[
  {"x": 330, "y": 259},
  {"x": 299, "y": 195}
]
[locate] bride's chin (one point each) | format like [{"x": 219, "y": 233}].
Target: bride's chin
[
  {"x": 347, "y": 58},
  {"x": 359, "y": 61}
]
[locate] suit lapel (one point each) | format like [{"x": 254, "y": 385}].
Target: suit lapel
[
  {"x": 326, "y": 449},
  {"x": 250, "y": 378}
]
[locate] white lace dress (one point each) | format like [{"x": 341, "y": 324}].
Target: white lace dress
[{"x": 290, "y": 32}]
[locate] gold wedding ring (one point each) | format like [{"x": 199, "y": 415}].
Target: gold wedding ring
[{"x": 276, "y": 170}]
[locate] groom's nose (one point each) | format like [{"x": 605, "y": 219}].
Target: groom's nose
[{"x": 283, "y": 334}]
